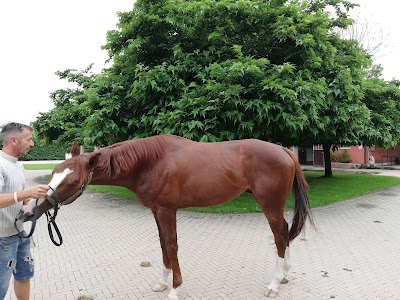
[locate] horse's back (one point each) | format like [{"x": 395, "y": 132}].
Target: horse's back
[
  {"x": 246, "y": 158},
  {"x": 249, "y": 149}
]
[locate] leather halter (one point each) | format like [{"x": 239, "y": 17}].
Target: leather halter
[
  {"x": 51, "y": 219},
  {"x": 57, "y": 204}
]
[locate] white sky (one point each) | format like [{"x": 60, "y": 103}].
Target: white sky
[{"x": 44, "y": 36}]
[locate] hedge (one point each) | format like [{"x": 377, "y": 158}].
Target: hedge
[{"x": 51, "y": 152}]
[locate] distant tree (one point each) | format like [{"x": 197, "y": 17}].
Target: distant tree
[{"x": 383, "y": 100}]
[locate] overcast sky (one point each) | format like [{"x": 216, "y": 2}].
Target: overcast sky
[{"x": 41, "y": 37}]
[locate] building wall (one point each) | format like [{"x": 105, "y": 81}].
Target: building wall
[
  {"x": 385, "y": 156},
  {"x": 358, "y": 154}
]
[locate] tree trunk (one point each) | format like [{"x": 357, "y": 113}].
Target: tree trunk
[{"x": 327, "y": 159}]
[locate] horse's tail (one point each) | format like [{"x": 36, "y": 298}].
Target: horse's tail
[{"x": 302, "y": 209}]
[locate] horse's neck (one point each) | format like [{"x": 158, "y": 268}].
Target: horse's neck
[
  {"x": 101, "y": 178},
  {"x": 122, "y": 166}
]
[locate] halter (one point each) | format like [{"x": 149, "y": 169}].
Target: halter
[{"x": 51, "y": 219}]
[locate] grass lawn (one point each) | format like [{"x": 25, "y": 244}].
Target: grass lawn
[
  {"x": 323, "y": 191},
  {"x": 39, "y": 166}
]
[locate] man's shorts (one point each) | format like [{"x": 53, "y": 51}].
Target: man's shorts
[{"x": 16, "y": 259}]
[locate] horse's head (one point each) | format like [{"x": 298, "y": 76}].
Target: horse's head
[{"x": 68, "y": 181}]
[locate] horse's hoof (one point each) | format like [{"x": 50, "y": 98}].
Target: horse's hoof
[
  {"x": 271, "y": 294},
  {"x": 284, "y": 281},
  {"x": 159, "y": 287}
]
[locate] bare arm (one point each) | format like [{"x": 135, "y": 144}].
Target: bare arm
[{"x": 36, "y": 192}]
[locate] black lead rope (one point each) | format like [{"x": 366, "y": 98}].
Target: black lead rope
[{"x": 51, "y": 219}]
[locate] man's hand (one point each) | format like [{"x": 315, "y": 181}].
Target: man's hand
[{"x": 38, "y": 191}]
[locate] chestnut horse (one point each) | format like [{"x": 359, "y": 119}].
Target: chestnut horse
[{"x": 167, "y": 173}]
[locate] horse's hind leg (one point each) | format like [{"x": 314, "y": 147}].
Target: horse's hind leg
[
  {"x": 166, "y": 222},
  {"x": 286, "y": 263},
  {"x": 280, "y": 230},
  {"x": 274, "y": 213}
]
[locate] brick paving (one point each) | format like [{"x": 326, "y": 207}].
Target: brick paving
[{"x": 354, "y": 254}]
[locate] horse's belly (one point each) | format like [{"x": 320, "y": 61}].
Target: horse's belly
[{"x": 210, "y": 195}]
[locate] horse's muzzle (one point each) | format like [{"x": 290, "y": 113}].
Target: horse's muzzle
[
  {"x": 27, "y": 211},
  {"x": 25, "y": 216}
]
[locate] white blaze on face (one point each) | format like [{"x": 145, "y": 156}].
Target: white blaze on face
[{"x": 56, "y": 181}]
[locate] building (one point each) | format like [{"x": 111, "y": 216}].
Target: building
[{"x": 359, "y": 155}]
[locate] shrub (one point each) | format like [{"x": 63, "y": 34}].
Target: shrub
[
  {"x": 48, "y": 152},
  {"x": 345, "y": 157}
]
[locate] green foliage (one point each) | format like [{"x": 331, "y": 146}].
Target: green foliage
[
  {"x": 221, "y": 70},
  {"x": 383, "y": 100},
  {"x": 47, "y": 152},
  {"x": 345, "y": 157},
  {"x": 64, "y": 123},
  {"x": 217, "y": 70}
]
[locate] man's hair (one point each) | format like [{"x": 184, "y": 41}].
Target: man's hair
[{"x": 12, "y": 129}]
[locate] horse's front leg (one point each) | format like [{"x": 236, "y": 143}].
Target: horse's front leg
[
  {"x": 162, "y": 283},
  {"x": 166, "y": 222}
]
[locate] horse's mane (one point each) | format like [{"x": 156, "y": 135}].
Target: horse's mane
[{"x": 124, "y": 157}]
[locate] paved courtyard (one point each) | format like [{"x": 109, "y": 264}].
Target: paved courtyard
[{"x": 354, "y": 254}]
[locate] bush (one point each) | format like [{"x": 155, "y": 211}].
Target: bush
[
  {"x": 49, "y": 152},
  {"x": 345, "y": 157}
]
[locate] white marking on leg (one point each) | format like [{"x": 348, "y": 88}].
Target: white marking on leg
[
  {"x": 278, "y": 276},
  {"x": 165, "y": 275},
  {"x": 162, "y": 283},
  {"x": 173, "y": 294},
  {"x": 286, "y": 264}
]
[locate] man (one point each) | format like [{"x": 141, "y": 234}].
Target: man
[{"x": 15, "y": 256}]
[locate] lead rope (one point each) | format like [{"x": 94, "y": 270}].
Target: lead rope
[{"x": 51, "y": 219}]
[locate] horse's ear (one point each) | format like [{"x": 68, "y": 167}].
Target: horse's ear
[
  {"x": 75, "y": 149},
  {"x": 94, "y": 159}
]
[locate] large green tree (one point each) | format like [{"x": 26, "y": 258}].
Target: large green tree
[
  {"x": 212, "y": 70},
  {"x": 215, "y": 70}
]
